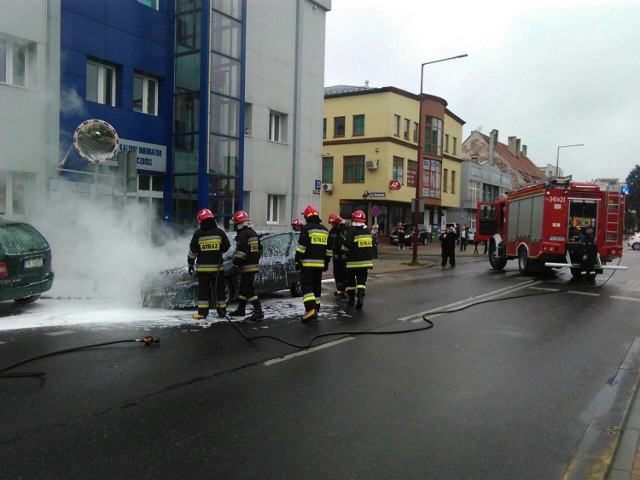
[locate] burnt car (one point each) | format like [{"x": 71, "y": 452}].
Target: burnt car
[
  {"x": 423, "y": 235},
  {"x": 175, "y": 288},
  {"x": 25, "y": 263}
]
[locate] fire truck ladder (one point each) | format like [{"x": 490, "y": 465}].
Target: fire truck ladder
[{"x": 612, "y": 226}]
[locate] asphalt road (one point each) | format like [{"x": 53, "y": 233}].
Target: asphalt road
[{"x": 526, "y": 388}]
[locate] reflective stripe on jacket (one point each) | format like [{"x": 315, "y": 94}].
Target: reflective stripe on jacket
[
  {"x": 206, "y": 248},
  {"x": 248, "y": 250},
  {"x": 314, "y": 246},
  {"x": 358, "y": 247}
]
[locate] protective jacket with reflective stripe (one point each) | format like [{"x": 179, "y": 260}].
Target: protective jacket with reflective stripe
[
  {"x": 207, "y": 247},
  {"x": 314, "y": 246},
  {"x": 358, "y": 247},
  {"x": 248, "y": 250}
]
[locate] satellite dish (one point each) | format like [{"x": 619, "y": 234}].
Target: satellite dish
[{"x": 96, "y": 141}]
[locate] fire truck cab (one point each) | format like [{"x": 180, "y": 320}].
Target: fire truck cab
[{"x": 543, "y": 225}]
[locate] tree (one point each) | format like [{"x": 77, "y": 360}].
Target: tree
[{"x": 633, "y": 197}]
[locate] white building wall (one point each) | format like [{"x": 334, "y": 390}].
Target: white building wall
[
  {"x": 29, "y": 113},
  {"x": 285, "y": 74}
]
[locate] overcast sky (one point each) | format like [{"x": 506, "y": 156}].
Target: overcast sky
[{"x": 551, "y": 72}]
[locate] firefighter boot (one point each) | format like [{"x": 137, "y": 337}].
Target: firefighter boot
[
  {"x": 240, "y": 311},
  {"x": 257, "y": 314},
  {"x": 360, "y": 296},
  {"x": 197, "y": 316},
  {"x": 221, "y": 311},
  {"x": 310, "y": 316},
  {"x": 352, "y": 298}
]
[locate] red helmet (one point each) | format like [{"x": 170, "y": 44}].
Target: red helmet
[
  {"x": 335, "y": 219},
  {"x": 297, "y": 223},
  {"x": 358, "y": 216},
  {"x": 204, "y": 214},
  {"x": 309, "y": 211},
  {"x": 239, "y": 217}
]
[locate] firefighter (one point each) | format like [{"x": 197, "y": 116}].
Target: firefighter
[
  {"x": 313, "y": 254},
  {"x": 358, "y": 250},
  {"x": 246, "y": 262},
  {"x": 336, "y": 235},
  {"x": 589, "y": 254},
  {"x": 205, "y": 257},
  {"x": 297, "y": 225}
]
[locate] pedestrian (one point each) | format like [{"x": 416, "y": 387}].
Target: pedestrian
[
  {"x": 246, "y": 262},
  {"x": 464, "y": 238},
  {"x": 358, "y": 249},
  {"x": 336, "y": 238},
  {"x": 400, "y": 236},
  {"x": 206, "y": 248},
  {"x": 448, "y": 244},
  {"x": 297, "y": 225},
  {"x": 312, "y": 257},
  {"x": 375, "y": 235},
  {"x": 589, "y": 254}
]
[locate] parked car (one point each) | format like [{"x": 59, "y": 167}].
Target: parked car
[
  {"x": 423, "y": 237},
  {"x": 634, "y": 241},
  {"x": 175, "y": 288},
  {"x": 25, "y": 263}
]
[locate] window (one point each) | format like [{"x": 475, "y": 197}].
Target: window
[
  {"x": 358, "y": 125},
  {"x": 433, "y": 136},
  {"x": 324, "y": 128},
  {"x": 338, "y": 126},
  {"x": 415, "y": 131},
  {"x": 248, "y": 111},
  {"x": 453, "y": 181},
  {"x": 412, "y": 173},
  {"x": 150, "y": 3},
  {"x": 277, "y": 127},
  {"x": 407, "y": 125},
  {"x": 446, "y": 143},
  {"x": 145, "y": 94},
  {"x": 396, "y": 125},
  {"x": 475, "y": 191},
  {"x": 445, "y": 180},
  {"x": 274, "y": 202},
  {"x": 353, "y": 169},
  {"x": 101, "y": 83},
  {"x": 455, "y": 145},
  {"x": 398, "y": 169},
  {"x": 327, "y": 170},
  {"x": 17, "y": 62}
]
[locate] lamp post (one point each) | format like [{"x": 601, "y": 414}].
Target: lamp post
[
  {"x": 416, "y": 201},
  {"x": 558, "y": 155}
]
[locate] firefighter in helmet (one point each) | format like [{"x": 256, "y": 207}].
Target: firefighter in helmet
[
  {"x": 207, "y": 245},
  {"x": 297, "y": 225},
  {"x": 312, "y": 258},
  {"x": 589, "y": 254},
  {"x": 358, "y": 249},
  {"x": 246, "y": 263},
  {"x": 336, "y": 235}
]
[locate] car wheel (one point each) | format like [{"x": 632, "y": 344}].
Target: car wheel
[
  {"x": 636, "y": 246},
  {"x": 496, "y": 262},
  {"x": 424, "y": 240},
  {"x": 26, "y": 300},
  {"x": 296, "y": 289}
]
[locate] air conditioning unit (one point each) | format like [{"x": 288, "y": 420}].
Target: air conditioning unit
[
  {"x": 327, "y": 187},
  {"x": 371, "y": 164}
]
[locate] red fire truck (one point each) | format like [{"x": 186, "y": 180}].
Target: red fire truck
[{"x": 541, "y": 225}]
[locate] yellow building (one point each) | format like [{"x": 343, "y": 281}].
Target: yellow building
[{"x": 370, "y": 149}]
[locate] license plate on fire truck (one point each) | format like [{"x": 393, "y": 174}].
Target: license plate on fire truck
[{"x": 33, "y": 262}]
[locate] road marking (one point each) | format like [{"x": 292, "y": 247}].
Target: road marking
[
  {"x": 542, "y": 289},
  {"x": 2, "y": 343},
  {"x": 625, "y": 298},
  {"x": 268, "y": 363},
  {"x": 576, "y": 292},
  {"x": 60, "y": 332},
  {"x": 417, "y": 317}
]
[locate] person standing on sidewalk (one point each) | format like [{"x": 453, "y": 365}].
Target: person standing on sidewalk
[
  {"x": 358, "y": 249},
  {"x": 313, "y": 254},
  {"x": 464, "y": 238},
  {"x": 206, "y": 248},
  {"x": 246, "y": 262},
  {"x": 400, "y": 236},
  {"x": 336, "y": 238},
  {"x": 448, "y": 244}
]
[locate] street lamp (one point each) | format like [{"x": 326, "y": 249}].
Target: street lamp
[
  {"x": 420, "y": 148},
  {"x": 558, "y": 155}
]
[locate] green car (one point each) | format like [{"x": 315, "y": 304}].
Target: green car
[{"x": 25, "y": 263}]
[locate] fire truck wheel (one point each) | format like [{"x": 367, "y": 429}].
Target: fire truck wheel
[
  {"x": 523, "y": 262},
  {"x": 497, "y": 263}
]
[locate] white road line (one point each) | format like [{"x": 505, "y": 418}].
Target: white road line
[
  {"x": 305, "y": 352},
  {"x": 470, "y": 300},
  {"x": 617, "y": 297},
  {"x": 60, "y": 332},
  {"x": 542, "y": 289},
  {"x": 575, "y": 292}
]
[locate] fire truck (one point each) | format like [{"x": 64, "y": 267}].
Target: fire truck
[{"x": 541, "y": 225}]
